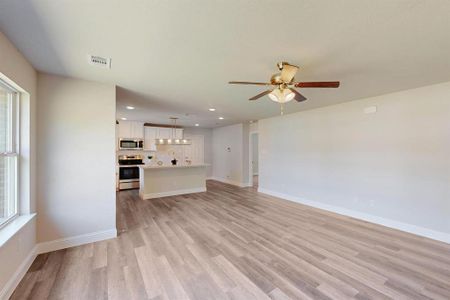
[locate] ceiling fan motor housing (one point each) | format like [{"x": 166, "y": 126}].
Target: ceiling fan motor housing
[{"x": 276, "y": 79}]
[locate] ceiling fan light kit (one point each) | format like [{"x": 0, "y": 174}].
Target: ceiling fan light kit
[
  {"x": 284, "y": 85},
  {"x": 281, "y": 95}
]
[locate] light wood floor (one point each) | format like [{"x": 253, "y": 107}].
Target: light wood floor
[{"x": 233, "y": 243}]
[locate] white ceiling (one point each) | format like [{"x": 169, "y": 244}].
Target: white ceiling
[{"x": 175, "y": 57}]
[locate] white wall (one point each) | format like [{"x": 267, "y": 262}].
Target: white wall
[
  {"x": 228, "y": 164},
  {"x": 76, "y": 158},
  {"x": 390, "y": 167},
  {"x": 18, "y": 250}
]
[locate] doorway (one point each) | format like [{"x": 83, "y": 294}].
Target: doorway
[{"x": 254, "y": 159}]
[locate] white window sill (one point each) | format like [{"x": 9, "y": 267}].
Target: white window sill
[{"x": 10, "y": 229}]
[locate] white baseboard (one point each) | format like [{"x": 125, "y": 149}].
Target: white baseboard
[
  {"x": 45, "y": 247},
  {"x": 15, "y": 279},
  {"x": 76, "y": 240},
  {"x": 232, "y": 182},
  {"x": 173, "y": 193},
  {"x": 417, "y": 230}
]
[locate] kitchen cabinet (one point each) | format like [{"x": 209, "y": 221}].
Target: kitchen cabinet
[
  {"x": 195, "y": 151},
  {"x": 169, "y": 133},
  {"x": 124, "y": 129},
  {"x": 137, "y": 130},
  {"x": 131, "y": 129},
  {"x": 178, "y": 133},
  {"x": 150, "y": 134},
  {"x": 164, "y": 133}
]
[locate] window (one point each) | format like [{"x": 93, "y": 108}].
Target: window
[{"x": 9, "y": 155}]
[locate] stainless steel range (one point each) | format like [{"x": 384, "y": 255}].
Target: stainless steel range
[{"x": 129, "y": 171}]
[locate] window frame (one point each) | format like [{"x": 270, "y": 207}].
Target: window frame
[{"x": 14, "y": 141}]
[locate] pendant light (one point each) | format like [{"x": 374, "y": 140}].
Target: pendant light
[{"x": 173, "y": 140}]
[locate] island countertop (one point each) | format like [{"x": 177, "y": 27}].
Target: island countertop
[
  {"x": 145, "y": 167},
  {"x": 161, "y": 181}
]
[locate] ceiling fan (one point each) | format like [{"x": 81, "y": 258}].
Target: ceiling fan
[{"x": 284, "y": 85}]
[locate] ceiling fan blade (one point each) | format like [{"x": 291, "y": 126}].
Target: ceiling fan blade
[
  {"x": 260, "y": 95},
  {"x": 321, "y": 84},
  {"x": 247, "y": 82},
  {"x": 288, "y": 72},
  {"x": 298, "y": 97}
]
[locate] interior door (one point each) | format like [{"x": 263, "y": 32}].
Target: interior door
[{"x": 255, "y": 156}]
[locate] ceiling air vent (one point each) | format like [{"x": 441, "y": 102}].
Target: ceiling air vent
[{"x": 100, "y": 61}]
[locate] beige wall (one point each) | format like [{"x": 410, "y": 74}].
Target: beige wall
[
  {"x": 16, "y": 68},
  {"x": 390, "y": 167},
  {"x": 227, "y": 153},
  {"x": 76, "y": 157},
  {"x": 231, "y": 166}
]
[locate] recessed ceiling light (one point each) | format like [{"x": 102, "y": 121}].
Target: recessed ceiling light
[
  {"x": 123, "y": 119},
  {"x": 130, "y": 107},
  {"x": 212, "y": 109},
  {"x": 197, "y": 125},
  {"x": 221, "y": 118}
]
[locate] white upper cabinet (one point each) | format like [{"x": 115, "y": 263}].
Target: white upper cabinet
[
  {"x": 164, "y": 133},
  {"x": 178, "y": 133},
  {"x": 124, "y": 129},
  {"x": 150, "y": 134},
  {"x": 169, "y": 133},
  {"x": 131, "y": 129},
  {"x": 137, "y": 130}
]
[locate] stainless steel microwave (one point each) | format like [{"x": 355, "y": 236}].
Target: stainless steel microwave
[{"x": 131, "y": 144}]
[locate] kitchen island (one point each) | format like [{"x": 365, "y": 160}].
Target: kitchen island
[{"x": 162, "y": 181}]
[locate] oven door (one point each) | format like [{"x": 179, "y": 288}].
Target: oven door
[{"x": 128, "y": 173}]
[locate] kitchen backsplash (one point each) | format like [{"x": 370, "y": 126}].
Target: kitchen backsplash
[{"x": 164, "y": 153}]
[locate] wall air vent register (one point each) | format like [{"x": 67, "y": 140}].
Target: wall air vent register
[{"x": 99, "y": 61}]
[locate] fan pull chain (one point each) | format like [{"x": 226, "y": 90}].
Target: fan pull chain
[{"x": 282, "y": 108}]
